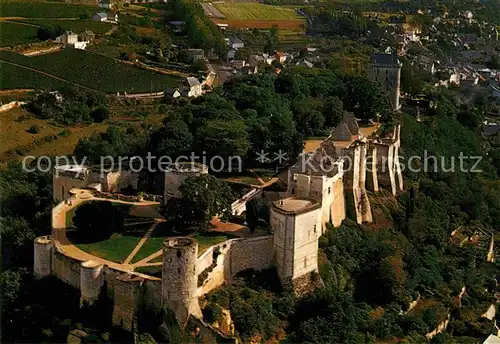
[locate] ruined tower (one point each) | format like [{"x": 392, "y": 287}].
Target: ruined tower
[
  {"x": 179, "y": 277},
  {"x": 177, "y": 174},
  {"x": 386, "y": 69}
]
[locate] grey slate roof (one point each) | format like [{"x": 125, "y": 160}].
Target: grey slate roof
[{"x": 384, "y": 59}]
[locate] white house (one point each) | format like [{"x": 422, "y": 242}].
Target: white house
[
  {"x": 192, "y": 87},
  {"x": 69, "y": 37}
]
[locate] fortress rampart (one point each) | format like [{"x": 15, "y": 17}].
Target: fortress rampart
[{"x": 325, "y": 186}]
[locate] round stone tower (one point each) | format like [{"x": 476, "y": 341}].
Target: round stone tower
[
  {"x": 42, "y": 264},
  {"x": 179, "y": 278},
  {"x": 91, "y": 281}
]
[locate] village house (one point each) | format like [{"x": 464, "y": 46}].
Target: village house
[
  {"x": 305, "y": 63},
  {"x": 177, "y": 25},
  {"x": 235, "y": 43},
  {"x": 108, "y": 4},
  {"x": 112, "y": 17},
  {"x": 255, "y": 60},
  {"x": 195, "y": 54},
  {"x": 101, "y": 16},
  {"x": 172, "y": 93},
  {"x": 86, "y": 36},
  {"x": 280, "y": 56},
  {"x": 68, "y": 37},
  {"x": 191, "y": 87}
]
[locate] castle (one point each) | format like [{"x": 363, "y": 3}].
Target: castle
[
  {"x": 324, "y": 186},
  {"x": 386, "y": 69}
]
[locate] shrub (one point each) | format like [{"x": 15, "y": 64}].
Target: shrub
[
  {"x": 212, "y": 312},
  {"x": 100, "y": 114},
  {"x": 34, "y": 129}
]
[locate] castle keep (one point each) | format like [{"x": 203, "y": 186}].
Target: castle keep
[
  {"x": 327, "y": 185},
  {"x": 386, "y": 69}
]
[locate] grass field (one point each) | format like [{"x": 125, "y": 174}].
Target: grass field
[
  {"x": 13, "y": 134},
  {"x": 116, "y": 248},
  {"x": 39, "y": 9},
  {"x": 294, "y": 25},
  {"x": 14, "y": 34},
  {"x": 83, "y": 68},
  {"x": 154, "y": 243},
  {"x": 256, "y": 11},
  {"x": 73, "y": 25}
]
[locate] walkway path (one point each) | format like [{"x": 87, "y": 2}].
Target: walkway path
[{"x": 139, "y": 245}]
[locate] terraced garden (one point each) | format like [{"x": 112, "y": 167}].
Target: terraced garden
[{"x": 82, "y": 68}]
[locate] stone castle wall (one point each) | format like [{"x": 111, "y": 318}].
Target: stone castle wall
[
  {"x": 116, "y": 181},
  {"x": 232, "y": 257},
  {"x": 66, "y": 269}
]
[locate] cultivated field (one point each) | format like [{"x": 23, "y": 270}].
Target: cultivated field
[
  {"x": 73, "y": 25},
  {"x": 13, "y": 34},
  {"x": 294, "y": 25},
  {"x": 256, "y": 11},
  {"x": 13, "y": 77},
  {"x": 39, "y": 9},
  {"x": 82, "y": 68}
]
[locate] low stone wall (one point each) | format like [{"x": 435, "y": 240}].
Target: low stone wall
[{"x": 232, "y": 257}]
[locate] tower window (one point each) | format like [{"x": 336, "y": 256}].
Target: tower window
[
  {"x": 314, "y": 228},
  {"x": 305, "y": 261},
  {"x": 329, "y": 189},
  {"x": 179, "y": 254}
]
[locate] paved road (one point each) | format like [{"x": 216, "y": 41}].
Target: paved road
[{"x": 211, "y": 10}]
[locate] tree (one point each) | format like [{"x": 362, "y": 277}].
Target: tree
[
  {"x": 173, "y": 139},
  {"x": 364, "y": 97},
  {"x": 203, "y": 198},
  {"x": 98, "y": 220},
  {"x": 333, "y": 111},
  {"x": 45, "y": 33},
  {"x": 100, "y": 114}
]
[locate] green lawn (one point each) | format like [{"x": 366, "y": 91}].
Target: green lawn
[
  {"x": 15, "y": 34},
  {"x": 39, "y": 9},
  {"x": 73, "y": 25},
  {"x": 116, "y": 248},
  {"x": 255, "y": 11},
  {"x": 150, "y": 270},
  {"x": 153, "y": 244},
  {"x": 86, "y": 69}
]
